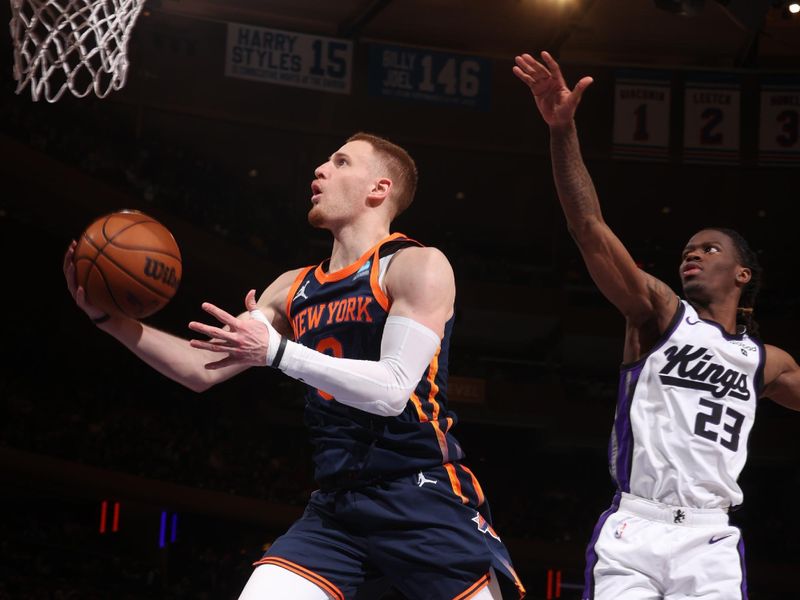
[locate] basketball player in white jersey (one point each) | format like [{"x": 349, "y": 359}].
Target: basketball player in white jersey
[{"x": 693, "y": 371}]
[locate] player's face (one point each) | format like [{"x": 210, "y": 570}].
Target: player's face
[
  {"x": 342, "y": 184},
  {"x": 710, "y": 267}
]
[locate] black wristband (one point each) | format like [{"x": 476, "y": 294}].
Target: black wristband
[
  {"x": 279, "y": 353},
  {"x": 102, "y": 319}
]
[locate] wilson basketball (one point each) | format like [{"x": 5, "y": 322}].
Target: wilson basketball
[{"x": 128, "y": 263}]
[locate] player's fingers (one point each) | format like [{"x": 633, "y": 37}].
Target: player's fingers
[
  {"x": 577, "y": 92},
  {"x": 219, "y": 364},
  {"x": 219, "y": 314},
  {"x": 551, "y": 64},
  {"x": 68, "y": 255},
  {"x": 211, "y": 331},
  {"x": 203, "y": 345},
  {"x": 581, "y": 86},
  {"x": 250, "y": 300},
  {"x": 532, "y": 67},
  {"x": 69, "y": 275},
  {"x": 523, "y": 76}
]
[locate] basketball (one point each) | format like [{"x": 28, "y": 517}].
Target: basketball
[{"x": 128, "y": 264}]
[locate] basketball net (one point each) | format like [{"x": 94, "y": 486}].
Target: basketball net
[{"x": 75, "y": 45}]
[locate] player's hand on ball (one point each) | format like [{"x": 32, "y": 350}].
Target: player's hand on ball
[
  {"x": 77, "y": 292},
  {"x": 245, "y": 341}
]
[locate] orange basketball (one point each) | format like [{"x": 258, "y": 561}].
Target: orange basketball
[{"x": 128, "y": 263}]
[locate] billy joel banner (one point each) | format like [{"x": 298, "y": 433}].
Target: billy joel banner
[
  {"x": 779, "y": 132},
  {"x": 420, "y": 74},
  {"x": 711, "y": 119},
  {"x": 641, "y": 115},
  {"x": 289, "y": 58}
]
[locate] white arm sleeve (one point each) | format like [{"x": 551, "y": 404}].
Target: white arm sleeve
[{"x": 380, "y": 387}]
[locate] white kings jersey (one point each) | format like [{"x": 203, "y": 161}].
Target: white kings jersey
[{"x": 684, "y": 414}]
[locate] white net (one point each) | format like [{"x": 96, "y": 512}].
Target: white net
[{"x": 75, "y": 45}]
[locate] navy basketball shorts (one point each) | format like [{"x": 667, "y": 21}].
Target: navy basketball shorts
[{"x": 419, "y": 533}]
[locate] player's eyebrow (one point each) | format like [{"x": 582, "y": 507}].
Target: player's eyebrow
[
  {"x": 689, "y": 247},
  {"x": 339, "y": 155}
]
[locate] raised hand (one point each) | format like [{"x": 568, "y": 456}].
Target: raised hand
[
  {"x": 77, "y": 292},
  {"x": 553, "y": 98},
  {"x": 244, "y": 340}
]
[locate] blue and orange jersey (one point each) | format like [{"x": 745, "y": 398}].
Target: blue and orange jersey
[{"x": 343, "y": 314}]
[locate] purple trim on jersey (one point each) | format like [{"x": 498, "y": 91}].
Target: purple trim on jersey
[
  {"x": 620, "y": 449},
  {"x": 591, "y": 555},
  {"x": 680, "y": 311},
  {"x": 740, "y": 547},
  {"x": 758, "y": 383}
]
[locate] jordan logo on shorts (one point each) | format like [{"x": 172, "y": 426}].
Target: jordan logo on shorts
[
  {"x": 422, "y": 480},
  {"x": 678, "y": 516}
]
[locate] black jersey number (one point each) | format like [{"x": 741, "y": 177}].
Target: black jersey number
[{"x": 706, "y": 424}]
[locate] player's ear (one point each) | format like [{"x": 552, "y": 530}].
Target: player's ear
[
  {"x": 380, "y": 191},
  {"x": 743, "y": 276}
]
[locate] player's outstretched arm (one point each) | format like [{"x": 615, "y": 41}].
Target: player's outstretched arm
[
  {"x": 168, "y": 354},
  {"x": 421, "y": 285},
  {"x": 639, "y": 296},
  {"x": 782, "y": 378}
]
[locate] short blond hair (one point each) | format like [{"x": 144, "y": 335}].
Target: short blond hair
[{"x": 402, "y": 169}]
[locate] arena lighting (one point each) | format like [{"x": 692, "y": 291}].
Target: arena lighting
[
  {"x": 104, "y": 517},
  {"x": 794, "y": 8},
  {"x": 162, "y": 534}
]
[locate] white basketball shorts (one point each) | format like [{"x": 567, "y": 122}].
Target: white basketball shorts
[{"x": 645, "y": 550}]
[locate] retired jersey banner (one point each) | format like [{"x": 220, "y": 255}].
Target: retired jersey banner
[
  {"x": 711, "y": 119},
  {"x": 779, "y": 133},
  {"x": 289, "y": 58},
  {"x": 409, "y": 73},
  {"x": 641, "y": 115}
]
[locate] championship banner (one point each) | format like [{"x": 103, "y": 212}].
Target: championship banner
[
  {"x": 711, "y": 119},
  {"x": 289, "y": 58},
  {"x": 779, "y": 133},
  {"x": 641, "y": 115},
  {"x": 409, "y": 73}
]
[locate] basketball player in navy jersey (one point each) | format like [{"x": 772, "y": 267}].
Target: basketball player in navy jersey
[
  {"x": 368, "y": 330},
  {"x": 693, "y": 371}
]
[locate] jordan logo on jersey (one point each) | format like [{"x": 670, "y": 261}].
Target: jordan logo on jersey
[
  {"x": 696, "y": 371},
  {"x": 301, "y": 293}
]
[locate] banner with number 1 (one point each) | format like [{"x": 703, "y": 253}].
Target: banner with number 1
[{"x": 641, "y": 115}]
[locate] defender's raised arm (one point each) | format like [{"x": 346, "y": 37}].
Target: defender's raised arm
[{"x": 639, "y": 296}]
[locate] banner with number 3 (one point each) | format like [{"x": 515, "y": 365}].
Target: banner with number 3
[{"x": 779, "y": 136}]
